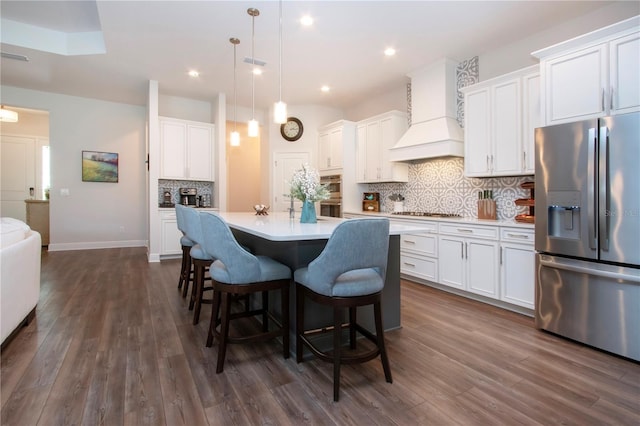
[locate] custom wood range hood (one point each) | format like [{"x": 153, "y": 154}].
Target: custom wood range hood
[{"x": 434, "y": 130}]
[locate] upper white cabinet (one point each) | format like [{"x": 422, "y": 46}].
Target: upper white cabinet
[
  {"x": 591, "y": 76},
  {"x": 186, "y": 150},
  {"x": 500, "y": 117},
  {"x": 332, "y": 139},
  {"x": 374, "y": 137}
]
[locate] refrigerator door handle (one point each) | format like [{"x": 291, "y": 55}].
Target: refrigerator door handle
[
  {"x": 604, "y": 192},
  {"x": 592, "y": 180},
  {"x": 589, "y": 271}
]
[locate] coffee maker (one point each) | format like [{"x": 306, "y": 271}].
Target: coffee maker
[{"x": 188, "y": 196}]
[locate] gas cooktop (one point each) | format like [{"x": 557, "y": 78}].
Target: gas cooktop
[{"x": 427, "y": 214}]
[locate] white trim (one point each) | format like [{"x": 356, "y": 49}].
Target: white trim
[{"x": 96, "y": 245}]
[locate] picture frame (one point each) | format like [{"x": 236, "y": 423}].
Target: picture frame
[{"x": 99, "y": 166}]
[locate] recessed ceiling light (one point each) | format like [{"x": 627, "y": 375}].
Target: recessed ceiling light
[
  {"x": 306, "y": 20},
  {"x": 389, "y": 51},
  {"x": 194, "y": 73},
  {"x": 325, "y": 88},
  {"x": 257, "y": 71}
]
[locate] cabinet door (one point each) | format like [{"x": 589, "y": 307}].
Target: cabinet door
[
  {"x": 323, "y": 151},
  {"x": 506, "y": 128},
  {"x": 624, "y": 55},
  {"x": 451, "y": 261},
  {"x": 173, "y": 149},
  {"x": 335, "y": 149},
  {"x": 200, "y": 152},
  {"x": 532, "y": 118},
  {"x": 517, "y": 277},
  {"x": 477, "y": 136},
  {"x": 170, "y": 237},
  {"x": 575, "y": 85},
  {"x": 482, "y": 267},
  {"x": 361, "y": 154},
  {"x": 391, "y": 128},
  {"x": 373, "y": 152}
]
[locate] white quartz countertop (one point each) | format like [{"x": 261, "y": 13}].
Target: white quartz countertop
[
  {"x": 278, "y": 227},
  {"x": 465, "y": 220}
]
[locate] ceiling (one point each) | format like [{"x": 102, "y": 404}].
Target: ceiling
[{"x": 110, "y": 49}]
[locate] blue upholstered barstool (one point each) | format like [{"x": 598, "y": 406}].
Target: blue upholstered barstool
[
  {"x": 186, "y": 269},
  {"x": 200, "y": 259},
  {"x": 238, "y": 272},
  {"x": 350, "y": 272}
]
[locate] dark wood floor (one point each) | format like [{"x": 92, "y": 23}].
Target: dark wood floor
[{"x": 113, "y": 344}]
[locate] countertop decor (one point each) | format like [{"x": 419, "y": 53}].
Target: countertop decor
[{"x": 306, "y": 187}]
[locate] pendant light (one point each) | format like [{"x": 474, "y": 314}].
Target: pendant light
[
  {"x": 8, "y": 116},
  {"x": 253, "y": 123},
  {"x": 235, "y": 136},
  {"x": 280, "y": 108}
]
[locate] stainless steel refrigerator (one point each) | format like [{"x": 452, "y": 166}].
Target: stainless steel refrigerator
[{"x": 587, "y": 232}]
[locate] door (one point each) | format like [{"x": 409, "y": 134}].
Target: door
[
  {"x": 624, "y": 72},
  {"x": 173, "y": 150},
  {"x": 619, "y": 210},
  {"x": 200, "y": 152},
  {"x": 18, "y": 161},
  {"x": 477, "y": 138},
  {"x": 285, "y": 165},
  {"x": 506, "y": 128},
  {"x": 451, "y": 264},
  {"x": 565, "y": 198},
  {"x": 482, "y": 271}
]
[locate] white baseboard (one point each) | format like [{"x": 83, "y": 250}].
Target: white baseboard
[{"x": 96, "y": 245}]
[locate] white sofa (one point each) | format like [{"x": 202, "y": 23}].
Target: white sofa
[{"x": 20, "y": 249}]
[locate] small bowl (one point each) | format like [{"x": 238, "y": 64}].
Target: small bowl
[{"x": 261, "y": 209}]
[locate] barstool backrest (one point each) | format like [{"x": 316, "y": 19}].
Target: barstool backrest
[
  {"x": 240, "y": 266},
  {"x": 354, "y": 244},
  {"x": 180, "y": 218},
  {"x": 193, "y": 229}
]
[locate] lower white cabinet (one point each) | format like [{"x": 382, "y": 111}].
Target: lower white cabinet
[
  {"x": 419, "y": 253},
  {"x": 517, "y": 267},
  {"x": 468, "y": 258},
  {"x": 169, "y": 234}
]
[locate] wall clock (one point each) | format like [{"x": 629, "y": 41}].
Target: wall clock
[{"x": 292, "y": 129}]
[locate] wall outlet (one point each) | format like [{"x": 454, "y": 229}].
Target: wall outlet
[
  {"x": 122, "y": 229},
  {"x": 64, "y": 192}
]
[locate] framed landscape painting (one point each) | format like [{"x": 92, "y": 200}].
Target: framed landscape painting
[{"x": 99, "y": 166}]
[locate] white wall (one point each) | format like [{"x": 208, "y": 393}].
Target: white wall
[
  {"x": 516, "y": 55},
  {"x": 395, "y": 99},
  {"x": 94, "y": 214}
]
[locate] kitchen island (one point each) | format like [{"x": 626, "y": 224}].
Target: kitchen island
[{"x": 296, "y": 244}]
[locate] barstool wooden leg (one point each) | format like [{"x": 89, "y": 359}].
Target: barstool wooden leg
[
  {"x": 377, "y": 312},
  {"x": 300, "y": 290},
  {"x": 337, "y": 350},
  {"x": 214, "y": 317},
  {"x": 265, "y": 308},
  {"x": 352, "y": 327},
  {"x": 284, "y": 308},
  {"x": 224, "y": 330},
  {"x": 188, "y": 276}
]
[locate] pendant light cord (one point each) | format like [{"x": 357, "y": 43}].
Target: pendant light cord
[
  {"x": 235, "y": 89},
  {"x": 253, "y": 70},
  {"x": 280, "y": 52}
]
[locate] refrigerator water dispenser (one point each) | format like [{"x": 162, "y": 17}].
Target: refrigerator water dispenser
[{"x": 563, "y": 213}]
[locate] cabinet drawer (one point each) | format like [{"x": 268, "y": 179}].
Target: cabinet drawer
[
  {"x": 463, "y": 230},
  {"x": 417, "y": 266},
  {"x": 168, "y": 215},
  {"x": 420, "y": 243},
  {"x": 517, "y": 235}
]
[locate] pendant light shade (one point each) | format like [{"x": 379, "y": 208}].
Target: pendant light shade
[
  {"x": 253, "y": 130},
  {"x": 235, "y": 136},
  {"x": 280, "y": 108},
  {"x": 8, "y": 116}
]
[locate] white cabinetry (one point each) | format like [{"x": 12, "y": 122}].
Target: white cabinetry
[
  {"x": 331, "y": 143},
  {"x": 593, "y": 75},
  {"x": 468, "y": 258},
  {"x": 374, "y": 137},
  {"x": 517, "y": 263},
  {"x": 500, "y": 116},
  {"x": 186, "y": 150},
  {"x": 419, "y": 252},
  {"x": 169, "y": 233}
]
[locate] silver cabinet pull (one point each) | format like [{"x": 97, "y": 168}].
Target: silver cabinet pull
[
  {"x": 611, "y": 98},
  {"x": 602, "y": 100},
  {"x": 409, "y": 264},
  {"x": 408, "y": 241},
  {"x": 501, "y": 255},
  {"x": 511, "y": 234},
  {"x": 465, "y": 230}
]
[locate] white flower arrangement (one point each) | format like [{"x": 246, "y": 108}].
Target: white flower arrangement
[{"x": 305, "y": 185}]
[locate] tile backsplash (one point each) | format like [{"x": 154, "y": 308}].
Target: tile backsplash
[
  {"x": 439, "y": 185},
  {"x": 203, "y": 188}
]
